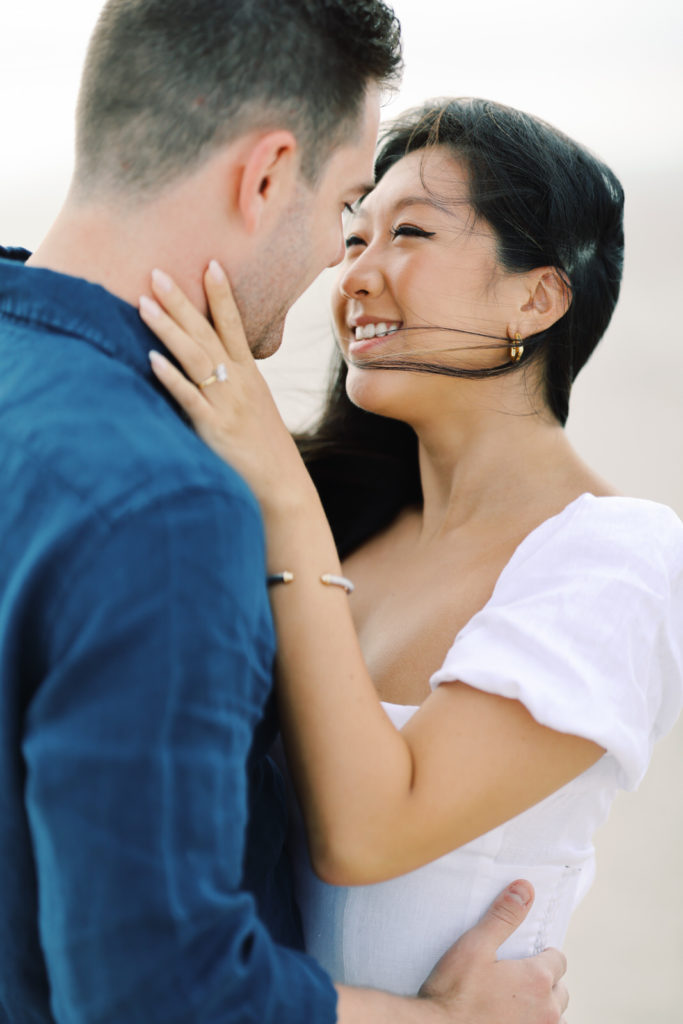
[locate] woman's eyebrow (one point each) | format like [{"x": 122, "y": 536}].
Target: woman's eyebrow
[
  {"x": 405, "y": 201},
  {"x": 421, "y": 201}
]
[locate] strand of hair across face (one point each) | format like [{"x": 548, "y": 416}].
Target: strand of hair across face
[
  {"x": 451, "y": 330},
  {"x": 408, "y": 363}
]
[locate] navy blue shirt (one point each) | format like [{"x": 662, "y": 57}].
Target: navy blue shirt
[{"x": 137, "y": 804}]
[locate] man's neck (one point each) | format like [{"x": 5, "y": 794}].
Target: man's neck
[
  {"x": 118, "y": 247},
  {"x": 118, "y": 256}
]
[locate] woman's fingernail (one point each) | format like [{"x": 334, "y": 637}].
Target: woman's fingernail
[
  {"x": 216, "y": 271},
  {"x": 162, "y": 280},
  {"x": 149, "y": 306},
  {"x": 155, "y": 358}
]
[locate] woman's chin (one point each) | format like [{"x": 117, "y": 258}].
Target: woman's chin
[{"x": 383, "y": 392}]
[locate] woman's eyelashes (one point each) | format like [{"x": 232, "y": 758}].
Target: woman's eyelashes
[
  {"x": 403, "y": 230},
  {"x": 411, "y": 231}
]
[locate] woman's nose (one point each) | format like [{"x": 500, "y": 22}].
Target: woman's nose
[{"x": 361, "y": 277}]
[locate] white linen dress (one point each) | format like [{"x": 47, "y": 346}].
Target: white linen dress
[{"x": 585, "y": 628}]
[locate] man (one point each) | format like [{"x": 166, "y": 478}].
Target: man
[{"x": 141, "y": 822}]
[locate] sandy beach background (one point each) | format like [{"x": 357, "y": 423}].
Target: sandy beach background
[{"x": 612, "y": 77}]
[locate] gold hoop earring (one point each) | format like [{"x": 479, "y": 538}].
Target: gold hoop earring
[{"x": 517, "y": 350}]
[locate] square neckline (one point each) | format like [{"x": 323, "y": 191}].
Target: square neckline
[{"x": 554, "y": 521}]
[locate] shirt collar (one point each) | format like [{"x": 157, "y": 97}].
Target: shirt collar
[{"x": 71, "y": 305}]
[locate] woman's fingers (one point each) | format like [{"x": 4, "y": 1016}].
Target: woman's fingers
[
  {"x": 196, "y": 362},
  {"x": 224, "y": 313},
  {"x": 199, "y": 332},
  {"x": 179, "y": 387},
  {"x": 228, "y": 337}
]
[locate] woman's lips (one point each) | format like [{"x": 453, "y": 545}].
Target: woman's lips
[{"x": 370, "y": 335}]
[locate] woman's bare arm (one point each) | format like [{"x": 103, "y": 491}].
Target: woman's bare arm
[{"x": 378, "y": 802}]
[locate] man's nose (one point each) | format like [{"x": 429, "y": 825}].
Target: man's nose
[{"x": 340, "y": 253}]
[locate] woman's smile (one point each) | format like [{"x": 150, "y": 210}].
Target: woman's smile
[{"x": 369, "y": 333}]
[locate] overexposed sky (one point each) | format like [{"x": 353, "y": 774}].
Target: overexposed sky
[{"x": 606, "y": 72}]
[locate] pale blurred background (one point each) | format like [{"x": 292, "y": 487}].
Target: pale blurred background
[{"x": 610, "y": 74}]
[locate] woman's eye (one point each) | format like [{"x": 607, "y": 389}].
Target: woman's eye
[
  {"x": 411, "y": 231},
  {"x": 352, "y": 240}
]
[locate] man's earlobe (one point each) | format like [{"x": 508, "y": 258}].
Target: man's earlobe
[{"x": 269, "y": 174}]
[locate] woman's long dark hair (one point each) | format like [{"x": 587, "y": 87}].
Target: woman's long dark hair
[{"x": 549, "y": 203}]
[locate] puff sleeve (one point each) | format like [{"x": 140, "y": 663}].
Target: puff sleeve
[{"x": 585, "y": 628}]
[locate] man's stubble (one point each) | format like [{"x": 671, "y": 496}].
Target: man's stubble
[{"x": 266, "y": 289}]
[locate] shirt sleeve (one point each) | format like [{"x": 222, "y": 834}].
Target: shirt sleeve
[
  {"x": 136, "y": 749},
  {"x": 585, "y": 628}
]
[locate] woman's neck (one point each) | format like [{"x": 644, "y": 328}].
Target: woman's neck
[{"x": 494, "y": 467}]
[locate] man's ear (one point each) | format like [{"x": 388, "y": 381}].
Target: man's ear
[
  {"x": 269, "y": 174},
  {"x": 548, "y": 297}
]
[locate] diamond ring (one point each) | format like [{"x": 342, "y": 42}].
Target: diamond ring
[{"x": 219, "y": 374}]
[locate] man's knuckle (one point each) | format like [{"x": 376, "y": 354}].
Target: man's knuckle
[
  {"x": 541, "y": 981},
  {"x": 548, "y": 978},
  {"x": 505, "y": 914}
]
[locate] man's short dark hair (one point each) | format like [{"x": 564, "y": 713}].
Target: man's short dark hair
[{"x": 168, "y": 81}]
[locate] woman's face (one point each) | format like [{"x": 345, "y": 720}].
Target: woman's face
[{"x": 421, "y": 277}]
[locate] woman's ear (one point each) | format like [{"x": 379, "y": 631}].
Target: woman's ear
[
  {"x": 549, "y": 298},
  {"x": 268, "y": 179}
]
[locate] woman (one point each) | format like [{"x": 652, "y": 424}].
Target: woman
[{"x": 520, "y": 621}]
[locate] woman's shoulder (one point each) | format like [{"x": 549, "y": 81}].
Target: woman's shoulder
[
  {"x": 627, "y": 512},
  {"x": 606, "y": 532}
]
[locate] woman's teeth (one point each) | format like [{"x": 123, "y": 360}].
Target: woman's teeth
[{"x": 375, "y": 330}]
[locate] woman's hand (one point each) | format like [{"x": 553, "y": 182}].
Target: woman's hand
[{"x": 224, "y": 394}]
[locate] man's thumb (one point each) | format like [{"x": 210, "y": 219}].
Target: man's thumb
[
  {"x": 481, "y": 942},
  {"x": 505, "y": 914}
]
